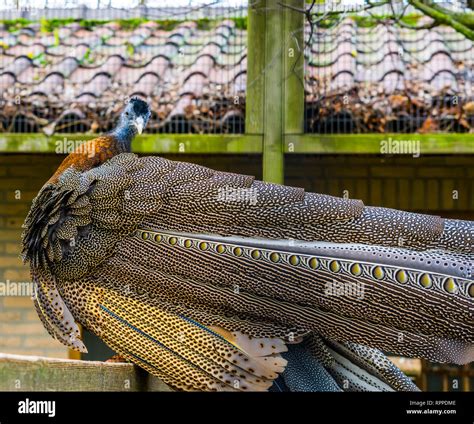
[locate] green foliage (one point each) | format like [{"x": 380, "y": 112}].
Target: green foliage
[
  {"x": 240, "y": 22},
  {"x": 49, "y": 25},
  {"x": 87, "y": 59},
  {"x": 89, "y": 24},
  {"x": 12, "y": 25},
  {"x": 372, "y": 20},
  {"x": 56, "y": 37},
  {"x": 130, "y": 49},
  {"x": 202, "y": 24},
  {"x": 205, "y": 23},
  {"x": 131, "y": 24},
  {"x": 365, "y": 21},
  {"x": 411, "y": 19},
  {"x": 40, "y": 60},
  {"x": 328, "y": 23},
  {"x": 46, "y": 25},
  {"x": 168, "y": 24}
]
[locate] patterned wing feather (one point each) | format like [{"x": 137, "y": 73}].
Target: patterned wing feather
[{"x": 142, "y": 250}]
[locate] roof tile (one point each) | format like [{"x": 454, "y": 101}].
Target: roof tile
[
  {"x": 96, "y": 86},
  {"x": 189, "y": 73},
  {"x": 53, "y": 84}
]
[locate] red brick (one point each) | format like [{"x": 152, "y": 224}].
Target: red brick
[
  {"x": 10, "y": 261},
  {"x": 10, "y": 235},
  {"x": 17, "y": 274},
  {"x": 26, "y": 195},
  {"x": 13, "y": 248},
  {"x": 10, "y": 341},
  {"x": 35, "y": 328},
  {"x": 17, "y": 302},
  {"x": 30, "y": 315},
  {"x": 15, "y": 209},
  {"x": 14, "y": 222},
  {"x": 10, "y": 316},
  {"x": 39, "y": 341}
]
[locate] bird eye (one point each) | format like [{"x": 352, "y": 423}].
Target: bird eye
[{"x": 127, "y": 114}]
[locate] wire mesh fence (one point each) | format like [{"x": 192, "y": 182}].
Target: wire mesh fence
[
  {"x": 66, "y": 68},
  {"x": 63, "y": 71},
  {"x": 368, "y": 72}
]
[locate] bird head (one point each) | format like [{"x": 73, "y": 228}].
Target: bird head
[{"x": 136, "y": 114}]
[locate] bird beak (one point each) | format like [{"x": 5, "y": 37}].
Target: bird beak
[{"x": 139, "y": 124}]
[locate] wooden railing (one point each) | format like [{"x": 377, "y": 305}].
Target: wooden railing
[
  {"x": 35, "y": 373},
  {"x": 39, "y": 374}
]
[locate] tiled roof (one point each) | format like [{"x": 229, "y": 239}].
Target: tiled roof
[
  {"x": 389, "y": 78},
  {"x": 77, "y": 78},
  {"x": 382, "y": 78}
]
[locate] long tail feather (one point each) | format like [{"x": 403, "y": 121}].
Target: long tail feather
[{"x": 178, "y": 345}]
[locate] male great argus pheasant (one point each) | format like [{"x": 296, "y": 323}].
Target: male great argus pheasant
[{"x": 215, "y": 281}]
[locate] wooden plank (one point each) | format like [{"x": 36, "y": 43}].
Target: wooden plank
[
  {"x": 198, "y": 144},
  {"x": 445, "y": 144},
  {"x": 145, "y": 143},
  {"x": 255, "y": 68},
  {"x": 34, "y": 373},
  {"x": 273, "y": 116},
  {"x": 294, "y": 68}
]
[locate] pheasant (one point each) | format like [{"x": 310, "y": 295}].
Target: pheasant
[{"x": 216, "y": 281}]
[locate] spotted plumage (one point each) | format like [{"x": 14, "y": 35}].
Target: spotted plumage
[{"x": 215, "y": 281}]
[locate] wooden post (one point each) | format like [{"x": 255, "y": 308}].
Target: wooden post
[
  {"x": 275, "y": 91},
  {"x": 273, "y": 109}
]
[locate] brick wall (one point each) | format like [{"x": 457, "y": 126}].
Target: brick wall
[
  {"x": 21, "y": 332},
  {"x": 423, "y": 184}
]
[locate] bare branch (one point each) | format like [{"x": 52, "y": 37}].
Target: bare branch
[{"x": 442, "y": 16}]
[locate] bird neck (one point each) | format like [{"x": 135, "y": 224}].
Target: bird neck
[{"x": 124, "y": 135}]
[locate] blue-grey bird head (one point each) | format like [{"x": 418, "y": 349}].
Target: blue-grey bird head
[{"x": 136, "y": 114}]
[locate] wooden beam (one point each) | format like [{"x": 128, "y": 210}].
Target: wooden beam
[
  {"x": 34, "y": 373},
  {"x": 198, "y": 144},
  {"x": 144, "y": 144},
  {"x": 347, "y": 144},
  {"x": 273, "y": 116}
]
